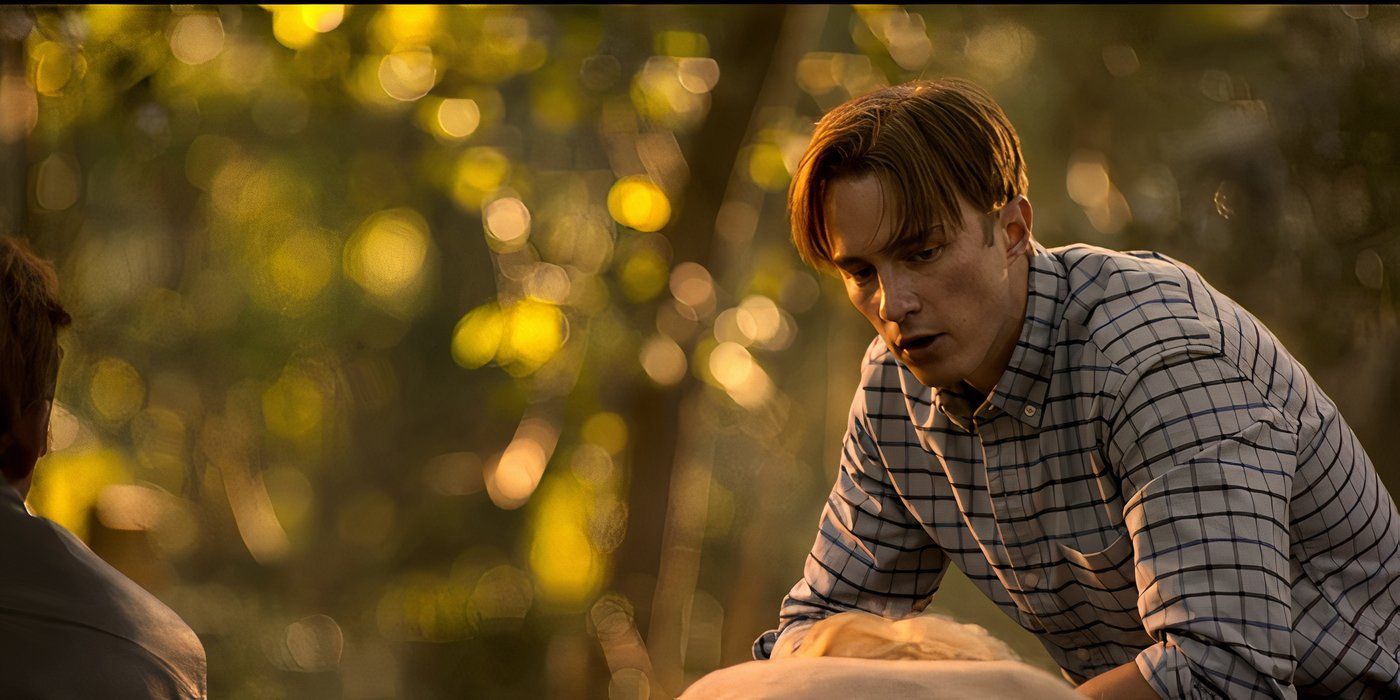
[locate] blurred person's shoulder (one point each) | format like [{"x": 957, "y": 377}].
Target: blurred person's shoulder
[{"x": 73, "y": 626}]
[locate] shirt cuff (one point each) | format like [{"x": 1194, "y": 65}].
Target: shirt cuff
[
  {"x": 785, "y": 643},
  {"x": 1168, "y": 671}
]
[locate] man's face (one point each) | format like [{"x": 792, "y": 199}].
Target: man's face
[{"x": 949, "y": 306}]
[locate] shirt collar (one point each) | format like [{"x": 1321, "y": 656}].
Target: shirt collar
[
  {"x": 11, "y": 499},
  {"x": 1022, "y": 388}
]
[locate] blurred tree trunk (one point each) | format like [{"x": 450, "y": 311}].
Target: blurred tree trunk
[
  {"x": 749, "y": 38},
  {"x": 14, "y": 163}
]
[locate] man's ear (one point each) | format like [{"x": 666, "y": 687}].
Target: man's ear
[{"x": 1016, "y": 219}]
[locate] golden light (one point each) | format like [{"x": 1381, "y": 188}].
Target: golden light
[
  {"x": 698, "y": 75},
  {"x": 674, "y": 42},
  {"x": 503, "y": 592},
  {"x": 303, "y": 265},
  {"x": 130, "y": 507},
  {"x": 555, "y": 105},
  {"x": 322, "y": 18},
  {"x": 408, "y": 75},
  {"x": 767, "y": 168},
  {"x": 549, "y": 283},
  {"x": 67, "y": 485},
  {"x": 509, "y": 483},
  {"x": 739, "y": 375},
  {"x": 1089, "y": 185},
  {"x": 692, "y": 285},
  {"x": 659, "y": 95},
  {"x": 64, "y": 428},
  {"x": 758, "y": 318},
  {"x": 479, "y": 173},
  {"x": 1087, "y": 180},
  {"x": 815, "y": 73},
  {"x": 663, "y": 360},
  {"x": 517, "y": 471},
  {"x": 458, "y": 118},
  {"x": 197, "y": 38},
  {"x": 478, "y": 335},
  {"x": 293, "y": 406},
  {"x": 54, "y": 67},
  {"x": 19, "y": 108},
  {"x": 386, "y": 255},
  {"x": 116, "y": 389},
  {"x": 535, "y": 334},
  {"x": 1120, "y": 60},
  {"x": 637, "y": 202},
  {"x": 315, "y": 643},
  {"x": 507, "y": 220},
  {"x": 1000, "y": 51},
  {"x": 606, "y": 430},
  {"x": 58, "y": 183},
  {"x": 402, "y": 25},
  {"x": 731, "y": 365},
  {"x": 643, "y": 275},
  {"x": 568, "y": 569},
  {"x": 293, "y": 497},
  {"x": 289, "y": 27},
  {"x": 594, "y": 465}
]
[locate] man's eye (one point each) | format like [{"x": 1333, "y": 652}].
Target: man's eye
[
  {"x": 928, "y": 254},
  {"x": 862, "y": 275}
]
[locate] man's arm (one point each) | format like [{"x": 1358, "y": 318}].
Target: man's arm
[
  {"x": 1122, "y": 683},
  {"x": 870, "y": 554},
  {"x": 1207, "y": 468}
]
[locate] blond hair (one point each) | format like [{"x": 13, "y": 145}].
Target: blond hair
[{"x": 928, "y": 141}]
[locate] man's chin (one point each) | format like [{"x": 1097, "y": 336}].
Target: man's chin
[{"x": 933, "y": 378}]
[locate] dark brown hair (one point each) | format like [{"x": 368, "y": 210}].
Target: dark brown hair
[
  {"x": 30, "y": 318},
  {"x": 928, "y": 141}
]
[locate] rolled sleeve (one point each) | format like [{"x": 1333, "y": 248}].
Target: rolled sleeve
[{"x": 1207, "y": 466}]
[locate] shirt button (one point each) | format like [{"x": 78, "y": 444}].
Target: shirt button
[
  {"x": 1081, "y": 654},
  {"x": 1031, "y": 579},
  {"x": 1030, "y": 410}
]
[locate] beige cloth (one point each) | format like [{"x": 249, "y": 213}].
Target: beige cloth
[
  {"x": 828, "y": 677},
  {"x": 856, "y": 654},
  {"x": 920, "y": 638}
]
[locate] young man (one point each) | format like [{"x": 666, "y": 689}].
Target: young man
[
  {"x": 70, "y": 625},
  {"x": 1124, "y": 460}
]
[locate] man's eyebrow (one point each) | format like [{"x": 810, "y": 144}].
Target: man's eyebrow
[
  {"x": 915, "y": 238},
  {"x": 844, "y": 261}
]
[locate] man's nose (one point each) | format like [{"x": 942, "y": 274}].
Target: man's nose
[{"x": 897, "y": 300}]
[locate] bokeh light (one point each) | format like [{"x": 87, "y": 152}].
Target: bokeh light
[
  {"x": 461, "y": 350},
  {"x": 638, "y": 203}
]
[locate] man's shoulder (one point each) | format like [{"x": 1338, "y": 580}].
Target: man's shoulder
[
  {"x": 1135, "y": 306},
  {"x": 62, "y": 586}
]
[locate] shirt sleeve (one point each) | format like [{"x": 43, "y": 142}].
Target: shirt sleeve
[
  {"x": 1207, "y": 466},
  {"x": 870, "y": 553}
]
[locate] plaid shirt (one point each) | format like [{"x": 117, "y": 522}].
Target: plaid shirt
[{"x": 1154, "y": 479}]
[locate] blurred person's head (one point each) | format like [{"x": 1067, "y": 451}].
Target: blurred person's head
[
  {"x": 916, "y": 196},
  {"x": 29, "y": 358}
]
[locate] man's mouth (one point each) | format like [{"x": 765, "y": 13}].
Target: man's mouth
[{"x": 917, "y": 342}]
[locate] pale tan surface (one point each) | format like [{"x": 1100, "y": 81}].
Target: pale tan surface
[
  {"x": 857, "y": 655},
  {"x": 921, "y": 638},
  {"x": 830, "y": 677}
]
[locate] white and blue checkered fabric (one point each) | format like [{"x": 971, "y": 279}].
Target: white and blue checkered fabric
[{"x": 1154, "y": 479}]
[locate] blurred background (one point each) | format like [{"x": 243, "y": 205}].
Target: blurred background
[{"x": 440, "y": 352}]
